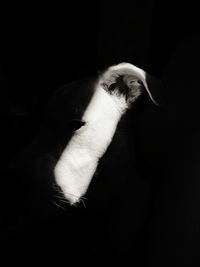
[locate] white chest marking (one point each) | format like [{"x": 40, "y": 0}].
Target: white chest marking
[{"x": 79, "y": 160}]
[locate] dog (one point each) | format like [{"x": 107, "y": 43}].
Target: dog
[
  {"x": 79, "y": 124},
  {"x": 114, "y": 92},
  {"x": 83, "y": 155}
]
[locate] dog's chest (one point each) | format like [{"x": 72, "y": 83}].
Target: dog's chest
[{"x": 79, "y": 160}]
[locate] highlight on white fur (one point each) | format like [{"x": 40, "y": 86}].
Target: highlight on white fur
[{"x": 79, "y": 160}]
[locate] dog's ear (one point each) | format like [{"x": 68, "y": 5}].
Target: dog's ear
[
  {"x": 155, "y": 87},
  {"x": 128, "y": 76}
]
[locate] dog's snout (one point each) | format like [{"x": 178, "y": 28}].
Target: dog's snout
[
  {"x": 135, "y": 85},
  {"x": 133, "y": 82}
]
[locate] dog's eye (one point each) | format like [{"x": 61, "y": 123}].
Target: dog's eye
[{"x": 112, "y": 87}]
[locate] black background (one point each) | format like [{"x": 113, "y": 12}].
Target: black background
[{"x": 44, "y": 46}]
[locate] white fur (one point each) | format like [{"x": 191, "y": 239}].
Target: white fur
[{"x": 79, "y": 160}]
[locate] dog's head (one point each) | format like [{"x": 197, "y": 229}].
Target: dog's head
[{"x": 125, "y": 83}]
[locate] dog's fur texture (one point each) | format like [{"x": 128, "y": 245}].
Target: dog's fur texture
[{"x": 114, "y": 92}]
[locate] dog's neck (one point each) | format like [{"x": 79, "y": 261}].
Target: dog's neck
[{"x": 104, "y": 106}]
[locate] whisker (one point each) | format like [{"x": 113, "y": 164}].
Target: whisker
[
  {"x": 60, "y": 197},
  {"x": 58, "y": 206},
  {"x": 64, "y": 201},
  {"x": 83, "y": 202}
]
